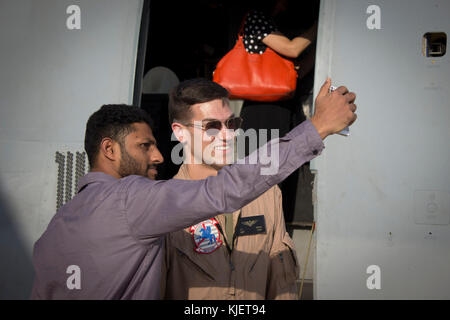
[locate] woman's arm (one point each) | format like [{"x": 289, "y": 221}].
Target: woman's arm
[{"x": 290, "y": 48}]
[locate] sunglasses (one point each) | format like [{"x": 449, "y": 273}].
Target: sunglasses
[{"x": 232, "y": 124}]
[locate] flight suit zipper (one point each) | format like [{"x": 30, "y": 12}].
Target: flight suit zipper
[{"x": 232, "y": 283}]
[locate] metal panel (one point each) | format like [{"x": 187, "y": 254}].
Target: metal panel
[
  {"x": 382, "y": 193},
  {"x": 52, "y": 79}
]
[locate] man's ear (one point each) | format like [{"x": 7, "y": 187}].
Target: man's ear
[
  {"x": 110, "y": 149},
  {"x": 178, "y": 131}
]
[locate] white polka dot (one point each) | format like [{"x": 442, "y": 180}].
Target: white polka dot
[
  {"x": 251, "y": 41},
  {"x": 256, "y": 47},
  {"x": 250, "y": 47},
  {"x": 260, "y": 52}
]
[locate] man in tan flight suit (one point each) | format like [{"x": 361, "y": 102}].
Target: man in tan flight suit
[{"x": 246, "y": 254}]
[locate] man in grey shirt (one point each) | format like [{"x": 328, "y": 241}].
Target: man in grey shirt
[{"x": 107, "y": 242}]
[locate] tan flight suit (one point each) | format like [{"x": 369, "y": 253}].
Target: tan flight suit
[{"x": 260, "y": 266}]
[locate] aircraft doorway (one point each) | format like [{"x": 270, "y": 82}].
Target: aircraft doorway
[{"x": 180, "y": 41}]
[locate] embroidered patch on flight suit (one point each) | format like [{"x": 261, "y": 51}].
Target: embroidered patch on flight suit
[
  {"x": 206, "y": 236},
  {"x": 251, "y": 225}
]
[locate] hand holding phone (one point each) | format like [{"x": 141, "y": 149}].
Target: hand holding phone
[{"x": 346, "y": 131}]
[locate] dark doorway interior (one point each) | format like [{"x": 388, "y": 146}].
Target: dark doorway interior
[{"x": 189, "y": 38}]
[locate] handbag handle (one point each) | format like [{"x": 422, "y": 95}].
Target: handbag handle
[{"x": 241, "y": 29}]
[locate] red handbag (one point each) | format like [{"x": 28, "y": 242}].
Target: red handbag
[{"x": 253, "y": 76}]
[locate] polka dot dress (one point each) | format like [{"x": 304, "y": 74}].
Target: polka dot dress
[{"x": 257, "y": 27}]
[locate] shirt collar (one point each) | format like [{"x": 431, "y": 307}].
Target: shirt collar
[{"x": 94, "y": 177}]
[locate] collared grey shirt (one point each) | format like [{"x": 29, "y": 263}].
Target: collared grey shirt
[{"x": 107, "y": 242}]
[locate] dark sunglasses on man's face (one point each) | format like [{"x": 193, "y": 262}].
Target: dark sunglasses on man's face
[{"x": 232, "y": 124}]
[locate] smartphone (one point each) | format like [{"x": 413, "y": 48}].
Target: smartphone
[{"x": 346, "y": 131}]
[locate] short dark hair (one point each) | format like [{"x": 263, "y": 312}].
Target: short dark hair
[
  {"x": 113, "y": 121},
  {"x": 190, "y": 92}
]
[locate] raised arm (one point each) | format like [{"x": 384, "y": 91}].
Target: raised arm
[{"x": 154, "y": 208}]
